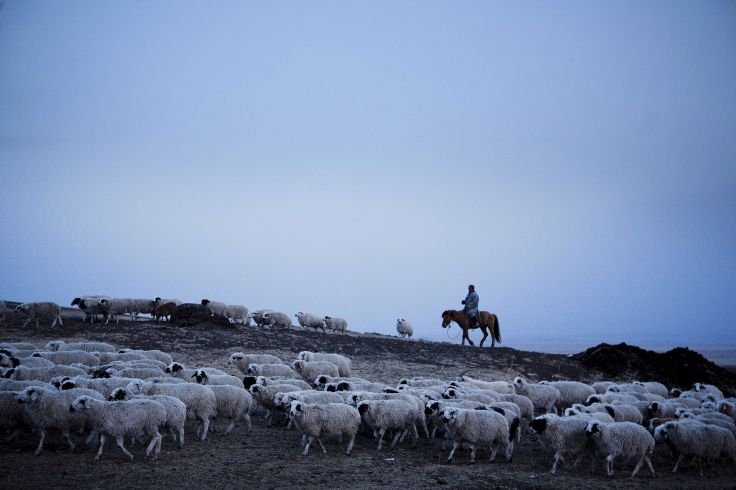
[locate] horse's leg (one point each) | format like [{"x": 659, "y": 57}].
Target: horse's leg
[
  {"x": 485, "y": 334},
  {"x": 467, "y": 336}
]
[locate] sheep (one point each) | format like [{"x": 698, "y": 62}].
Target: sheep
[
  {"x": 610, "y": 398},
  {"x": 404, "y": 328},
  {"x": 104, "y": 386},
  {"x": 433, "y": 409},
  {"x": 40, "y": 309},
  {"x": 665, "y": 409},
  {"x": 90, "y": 307},
  {"x": 264, "y": 396},
  {"x": 49, "y": 409},
  {"x": 277, "y": 319},
  {"x": 22, "y": 373},
  {"x": 310, "y": 370},
  {"x": 200, "y": 400},
  {"x": 343, "y": 364},
  {"x": 497, "y": 386},
  {"x": 308, "y": 320},
  {"x": 258, "y": 317},
  {"x": 625, "y": 413},
  {"x": 12, "y": 361},
  {"x": 164, "y": 311},
  {"x": 420, "y": 382},
  {"x": 314, "y": 420},
  {"x": 600, "y": 387},
  {"x": 523, "y": 402},
  {"x": 627, "y": 388},
  {"x": 622, "y": 439},
  {"x": 382, "y": 415},
  {"x": 486, "y": 428},
  {"x": 233, "y": 403},
  {"x": 138, "y": 306},
  {"x": 152, "y": 354},
  {"x": 696, "y": 439},
  {"x": 486, "y": 398},
  {"x": 654, "y": 387},
  {"x": 276, "y": 380},
  {"x": 571, "y": 392},
  {"x": 107, "y": 357},
  {"x": 511, "y": 413},
  {"x": 356, "y": 386},
  {"x": 242, "y": 361},
  {"x": 566, "y": 435},
  {"x": 120, "y": 418},
  {"x": 176, "y": 411},
  {"x": 282, "y": 400},
  {"x": 132, "y": 372},
  {"x": 61, "y": 345},
  {"x": 322, "y": 380},
  {"x": 178, "y": 370},
  {"x": 162, "y": 301},
  {"x": 336, "y": 324},
  {"x": 599, "y": 416},
  {"x": 67, "y": 357},
  {"x": 728, "y": 408},
  {"x": 12, "y": 416},
  {"x": 217, "y": 308},
  {"x": 13, "y": 385},
  {"x": 272, "y": 370},
  {"x": 237, "y": 314},
  {"x": 223, "y": 379},
  {"x": 114, "y": 306},
  {"x": 419, "y": 405},
  {"x": 544, "y": 396},
  {"x": 424, "y": 394},
  {"x": 708, "y": 389},
  {"x": 16, "y": 346}
]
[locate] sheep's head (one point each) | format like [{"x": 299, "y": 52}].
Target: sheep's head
[
  {"x": 343, "y": 386},
  {"x": 249, "y": 381},
  {"x": 613, "y": 389},
  {"x": 69, "y": 384},
  {"x": 80, "y": 404},
  {"x": 8, "y": 373},
  {"x": 518, "y": 382},
  {"x": 675, "y": 392},
  {"x": 592, "y": 399},
  {"x": 450, "y": 393},
  {"x": 76, "y": 301},
  {"x": 653, "y": 408},
  {"x": 255, "y": 389},
  {"x": 28, "y": 395},
  {"x": 201, "y": 376},
  {"x": 404, "y": 381},
  {"x": 297, "y": 366},
  {"x": 205, "y": 301},
  {"x": 449, "y": 414},
  {"x": 321, "y": 380},
  {"x": 592, "y": 428},
  {"x": 119, "y": 394},
  {"x": 363, "y": 408},
  {"x": 8, "y": 360},
  {"x": 102, "y": 373},
  {"x": 174, "y": 368},
  {"x": 296, "y": 407}
]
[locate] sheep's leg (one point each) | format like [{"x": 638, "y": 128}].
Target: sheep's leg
[
  {"x": 414, "y": 433},
  {"x": 103, "y": 440},
  {"x": 119, "y": 441},
  {"x": 677, "y": 463},
  {"x": 324, "y": 451},
  {"x": 455, "y": 445},
  {"x": 380, "y": 439},
  {"x": 40, "y": 442},
  {"x": 472, "y": 453},
  {"x": 558, "y": 458},
  {"x": 229, "y": 427},
  {"x": 205, "y": 427},
  {"x": 304, "y": 440},
  {"x": 306, "y": 448},
  {"x": 423, "y": 425},
  {"x": 350, "y": 444},
  {"x": 181, "y": 436},
  {"x": 91, "y": 437},
  {"x": 494, "y": 450},
  {"x": 397, "y": 437},
  {"x": 53, "y": 324},
  {"x": 609, "y": 460},
  {"x": 155, "y": 438},
  {"x": 69, "y": 441},
  {"x": 246, "y": 417}
]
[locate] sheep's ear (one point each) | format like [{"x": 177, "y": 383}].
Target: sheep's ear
[
  {"x": 298, "y": 407},
  {"x": 610, "y": 411},
  {"x": 15, "y": 361},
  {"x": 194, "y": 375}
]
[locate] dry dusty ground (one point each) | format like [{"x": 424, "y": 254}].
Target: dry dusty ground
[{"x": 270, "y": 457}]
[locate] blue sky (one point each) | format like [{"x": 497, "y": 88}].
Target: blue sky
[{"x": 574, "y": 160}]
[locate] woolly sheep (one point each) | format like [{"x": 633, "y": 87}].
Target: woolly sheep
[
  {"x": 356, "y": 386},
  {"x": 108, "y": 357},
  {"x": 160, "y": 301},
  {"x": 113, "y": 307},
  {"x": 17, "y": 346},
  {"x": 153, "y": 354},
  {"x": 233, "y": 403},
  {"x": 384, "y": 415},
  {"x": 308, "y": 320},
  {"x": 599, "y": 416},
  {"x": 497, "y": 386},
  {"x": 277, "y": 319},
  {"x": 237, "y": 314},
  {"x": 132, "y": 372},
  {"x": 418, "y": 404},
  {"x": 216, "y": 307},
  {"x": 523, "y": 402},
  {"x": 200, "y": 400},
  {"x": 117, "y": 419},
  {"x": 9, "y": 360},
  {"x": 139, "y": 306},
  {"x": 314, "y": 420},
  {"x": 627, "y": 388},
  {"x": 511, "y": 413},
  {"x": 272, "y": 370},
  {"x": 176, "y": 411},
  {"x": 49, "y": 409},
  {"x": 178, "y": 370},
  {"x": 61, "y": 345},
  {"x": 691, "y": 438},
  {"x": 343, "y": 364},
  {"x": 433, "y": 410},
  {"x": 610, "y": 398},
  {"x": 654, "y": 387},
  {"x": 22, "y": 373},
  {"x": 404, "y": 328},
  {"x": 571, "y": 392},
  {"x": 600, "y": 387},
  {"x": 321, "y": 380},
  {"x": 104, "y": 386},
  {"x": 565, "y": 435},
  {"x": 625, "y": 439},
  {"x": 483, "y": 397},
  {"x": 242, "y": 361},
  {"x": 69, "y": 357},
  {"x": 310, "y": 370},
  {"x": 276, "y": 380},
  {"x": 223, "y": 379},
  {"x": 258, "y": 317},
  {"x": 45, "y": 309},
  {"x": 665, "y": 409},
  {"x": 710, "y": 389},
  {"x": 486, "y": 428},
  {"x": 625, "y": 413},
  {"x": 420, "y": 382},
  {"x": 90, "y": 306},
  {"x": 542, "y": 396},
  {"x": 264, "y": 396},
  {"x": 336, "y": 324},
  {"x": 282, "y": 400}
]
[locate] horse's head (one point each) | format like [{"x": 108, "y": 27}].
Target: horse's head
[{"x": 446, "y": 318}]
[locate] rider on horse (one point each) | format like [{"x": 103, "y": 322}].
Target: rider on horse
[{"x": 471, "y": 307}]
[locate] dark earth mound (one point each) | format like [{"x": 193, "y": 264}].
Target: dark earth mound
[{"x": 679, "y": 367}]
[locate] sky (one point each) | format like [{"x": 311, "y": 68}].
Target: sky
[{"x": 575, "y": 160}]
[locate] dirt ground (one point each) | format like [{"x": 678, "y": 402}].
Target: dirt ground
[{"x": 271, "y": 458}]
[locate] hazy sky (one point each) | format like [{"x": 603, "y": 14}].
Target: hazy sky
[{"x": 576, "y": 161}]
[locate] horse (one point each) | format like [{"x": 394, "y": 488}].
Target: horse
[{"x": 488, "y": 321}]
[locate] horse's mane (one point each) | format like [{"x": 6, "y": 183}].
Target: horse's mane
[{"x": 447, "y": 312}]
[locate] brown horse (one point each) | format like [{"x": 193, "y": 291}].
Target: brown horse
[{"x": 488, "y": 321}]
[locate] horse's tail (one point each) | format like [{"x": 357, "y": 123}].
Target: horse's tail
[{"x": 496, "y": 329}]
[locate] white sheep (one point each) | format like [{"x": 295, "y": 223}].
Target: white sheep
[
  {"x": 264, "y": 395},
  {"x": 104, "y": 386},
  {"x": 277, "y": 319},
  {"x": 384, "y": 415},
  {"x": 22, "y": 373},
  {"x": 321, "y": 380},
  {"x": 565, "y": 435},
  {"x": 625, "y": 439},
  {"x": 108, "y": 357},
  {"x": 242, "y": 360},
  {"x": 497, "y": 386},
  {"x": 601, "y": 387},
  {"x": 258, "y": 317},
  {"x": 623, "y": 412},
  {"x": 483, "y": 396},
  {"x": 152, "y": 354},
  {"x": 10, "y": 361},
  {"x": 579, "y": 411},
  {"x": 136, "y": 418},
  {"x": 610, "y": 397},
  {"x": 276, "y": 380},
  {"x": 176, "y": 410},
  {"x": 420, "y": 382},
  {"x": 223, "y": 379},
  {"x": 708, "y": 389},
  {"x": 311, "y": 370},
  {"x": 178, "y": 370},
  {"x": 542, "y": 396},
  {"x": 200, "y": 400},
  {"x": 571, "y": 392},
  {"x": 336, "y": 324},
  {"x": 308, "y": 320},
  {"x": 61, "y": 345},
  {"x": 116, "y": 306},
  {"x": 49, "y": 409},
  {"x": 139, "y": 305},
  {"x": 272, "y": 370},
  {"x": 692, "y": 438},
  {"x": 237, "y": 314},
  {"x": 37, "y": 310},
  {"x": 233, "y": 403},
  {"x": 404, "y": 328},
  {"x": 356, "y": 386},
  {"x": 216, "y": 307},
  {"x": 315, "y": 420},
  {"x": 132, "y": 372},
  {"x": 18, "y": 346},
  {"x": 90, "y": 306},
  {"x": 654, "y": 387},
  {"x": 419, "y": 405},
  {"x": 68, "y": 357},
  {"x": 485, "y": 428},
  {"x": 343, "y": 364}
]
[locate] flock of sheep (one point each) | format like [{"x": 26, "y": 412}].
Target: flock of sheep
[
  {"x": 138, "y": 395},
  {"x": 104, "y": 308}
]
